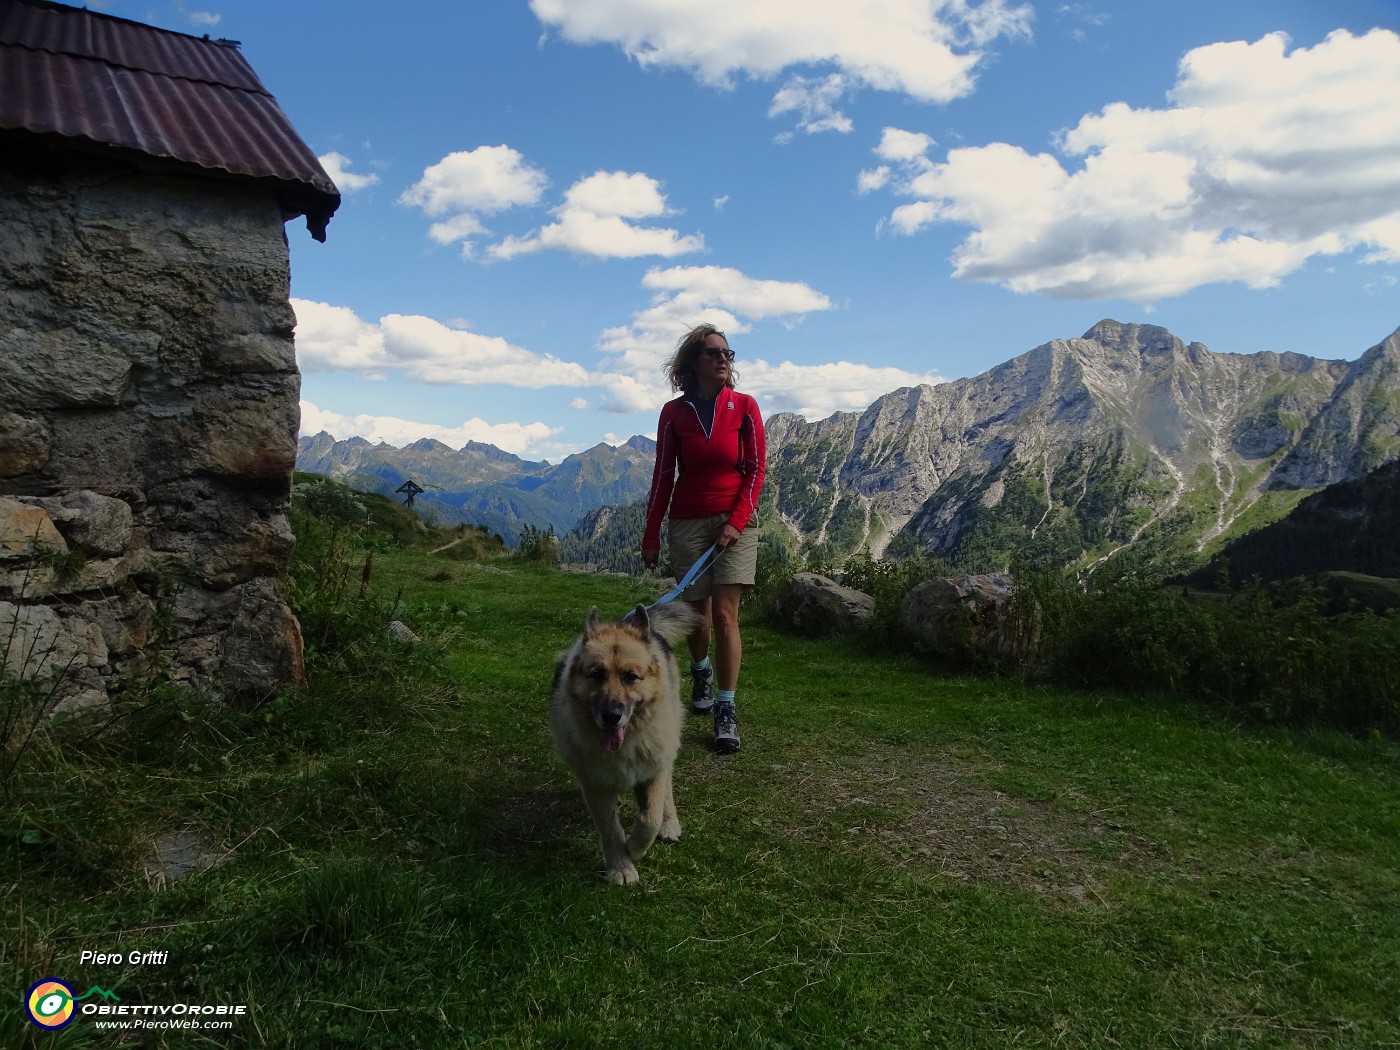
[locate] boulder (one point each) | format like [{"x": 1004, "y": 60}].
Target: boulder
[
  {"x": 968, "y": 617},
  {"x": 816, "y": 605}
]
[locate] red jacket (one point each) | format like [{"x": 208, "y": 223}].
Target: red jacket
[{"x": 720, "y": 472}]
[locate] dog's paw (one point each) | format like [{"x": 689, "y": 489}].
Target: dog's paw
[
  {"x": 670, "y": 831},
  {"x": 624, "y": 876}
]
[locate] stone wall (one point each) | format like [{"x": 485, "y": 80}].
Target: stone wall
[{"x": 148, "y": 420}]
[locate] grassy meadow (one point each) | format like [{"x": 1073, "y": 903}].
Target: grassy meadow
[{"x": 900, "y": 856}]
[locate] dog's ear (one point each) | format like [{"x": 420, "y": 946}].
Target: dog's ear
[
  {"x": 590, "y": 625},
  {"x": 639, "y": 619}
]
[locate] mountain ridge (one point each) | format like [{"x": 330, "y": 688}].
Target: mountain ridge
[
  {"x": 480, "y": 484},
  {"x": 1123, "y": 442}
]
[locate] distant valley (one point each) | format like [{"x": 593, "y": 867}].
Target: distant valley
[{"x": 481, "y": 485}]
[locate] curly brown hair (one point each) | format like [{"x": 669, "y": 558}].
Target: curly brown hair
[{"x": 680, "y": 370}]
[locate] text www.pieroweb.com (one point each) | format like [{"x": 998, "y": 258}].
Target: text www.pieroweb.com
[{"x": 141, "y": 1017}]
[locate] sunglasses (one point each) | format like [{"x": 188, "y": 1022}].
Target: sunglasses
[{"x": 718, "y": 351}]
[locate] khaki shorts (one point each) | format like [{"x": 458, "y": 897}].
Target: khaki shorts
[{"x": 691, "y": 537}]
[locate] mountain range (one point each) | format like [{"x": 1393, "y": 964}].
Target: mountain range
[
  {"x": 481, "y": 485},
  {"x": 1125, "y": 444}
]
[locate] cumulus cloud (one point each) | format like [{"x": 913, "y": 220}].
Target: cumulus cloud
[
  {"x": 598, "y": 215},
  {"x": 597, "y": 218},
  {"x": 906, "y": 150},
  {"x": 333, "y": 339},
  {"x": 682, "y": 297},
  {"x": 926, "y": 51},
  {"x": 521, "y": 439},
  {"x": 906, "y": 147},
  {"x": 337, "y": 166},
  {"x": 463, "y": 186},
  {"x": 816, "y": 391},
  {"x": 1264, "y": 159}
]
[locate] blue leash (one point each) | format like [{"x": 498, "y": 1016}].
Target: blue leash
[{"x": 701, "y": 564}]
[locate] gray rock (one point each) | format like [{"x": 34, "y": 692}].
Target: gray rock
[
  {"x": 400, "y": 630},
  {"x": 90, "y": 522},
  {"x": 25, "y": 442},
  {"x": 816, "y": 605},
  {"x": 968, "y": 617},
  {"x": 25, "y": 530}
]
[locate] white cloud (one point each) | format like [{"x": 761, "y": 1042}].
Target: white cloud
[
  {"x": 487, "y": 179},
  {"x": 520, "y": 439},
  {"x": 204, "y": 19},
  {"x": 907, "y": 151},
  {"x": 872, "y": 179},
  {"x": 816, "y": 391},
  {"x": 431, "y": 352},
  {"x": 908, "y": 147},
  {"x": 461, "y": 227},
  {"x": 1264, "y": 160},
  {"x": 333, "y": 339},
  {"x": 684, "y": 296},
  {"x": 815, "y": 100},
  {"x": 594, "y": 220},
  {"x": 720, "y": 202},
  {"x": 337, "y": 166},
  {"x": 925, "y": 50},
  {"x": 471, "y": 183}
]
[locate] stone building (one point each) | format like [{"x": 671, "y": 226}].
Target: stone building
[{"x": 148, "y": 380}]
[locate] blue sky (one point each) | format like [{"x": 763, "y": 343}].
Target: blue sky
[{"x": 541, "y": 195}]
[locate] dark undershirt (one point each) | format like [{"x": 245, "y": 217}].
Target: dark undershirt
[{"x": 705, "y": 410}]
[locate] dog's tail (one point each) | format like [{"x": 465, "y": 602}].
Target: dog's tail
[{"x": 670, "y": 622}]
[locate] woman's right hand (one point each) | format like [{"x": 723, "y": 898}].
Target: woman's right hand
[{"x": 650, "y": 557}]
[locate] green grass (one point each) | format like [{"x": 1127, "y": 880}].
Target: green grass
[{"x": 898, "y": 857}]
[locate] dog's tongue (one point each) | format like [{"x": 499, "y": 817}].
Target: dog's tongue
[{"x": 611, "y": 739}]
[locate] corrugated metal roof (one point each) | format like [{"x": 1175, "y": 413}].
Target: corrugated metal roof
[{"x": 99, "y": 80}]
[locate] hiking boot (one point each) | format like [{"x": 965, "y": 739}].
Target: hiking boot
[
  {"x": 726, "y": 729},
  {"x": 702, "y": 696}
]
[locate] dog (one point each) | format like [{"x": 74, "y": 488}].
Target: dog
[{"x": 615, "y": 716}]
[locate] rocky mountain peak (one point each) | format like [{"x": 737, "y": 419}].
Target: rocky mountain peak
[
  {"x": 1139, "y": 340},
  {"x": 428, "y": 445}
]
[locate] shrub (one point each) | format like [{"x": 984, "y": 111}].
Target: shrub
[
  {"x": 1269, "y": 653},
  {"x": 888, "y": 582},
  {"x": 539, "y": 546}
]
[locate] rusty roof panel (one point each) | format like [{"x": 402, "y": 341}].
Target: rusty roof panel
[
  {"x": 94, "y": 79},
  {"x": 120, "y": 42}
]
